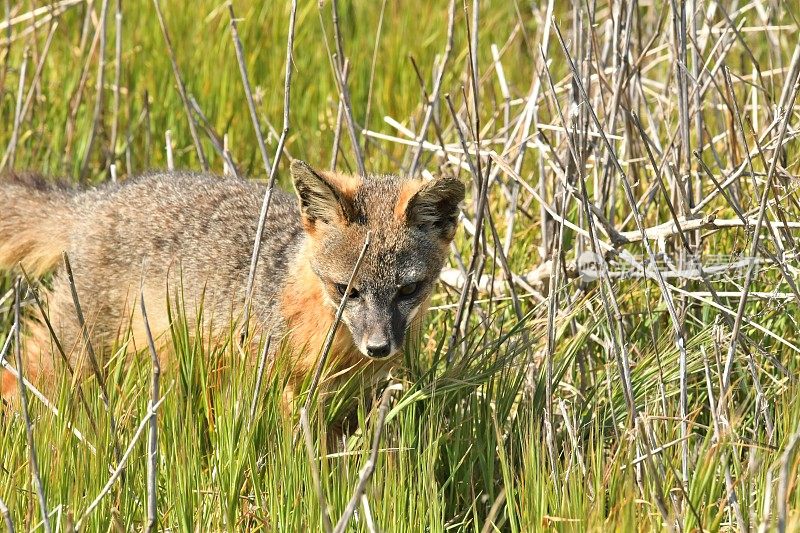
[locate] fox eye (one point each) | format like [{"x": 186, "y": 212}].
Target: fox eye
[
  {"x": 408, "y": 290},
  {"x": 341, "y": 288}
]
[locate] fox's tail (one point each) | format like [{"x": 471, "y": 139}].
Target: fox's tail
[{"x": 35, "y": 223}]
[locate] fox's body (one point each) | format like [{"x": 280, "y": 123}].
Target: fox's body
[{"x": 191, "y": 235}]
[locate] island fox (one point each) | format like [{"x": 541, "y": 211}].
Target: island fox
[{"x": 161, "y": 231}]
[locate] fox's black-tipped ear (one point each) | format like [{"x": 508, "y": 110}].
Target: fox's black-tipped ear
[
  {"x": 435, "y": 206},
  {"x": 324, "y": 198}
]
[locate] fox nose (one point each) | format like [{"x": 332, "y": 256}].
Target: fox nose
[{"x": 378, "y": 349}]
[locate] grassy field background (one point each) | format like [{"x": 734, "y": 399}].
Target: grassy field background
[{"x": 565, "y": 402}]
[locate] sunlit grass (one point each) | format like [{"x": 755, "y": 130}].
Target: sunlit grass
[{"x": 464, "y": 446}]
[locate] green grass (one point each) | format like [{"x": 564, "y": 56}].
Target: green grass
[{"x": 464, "y": 446}]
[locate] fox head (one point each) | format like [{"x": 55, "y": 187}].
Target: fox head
[{"x": 412, "y": 223}]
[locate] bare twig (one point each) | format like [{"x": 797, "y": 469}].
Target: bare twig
[
  {"x": 152, "y": 438},
  {"x": 219, "y": 146},
  {"x": 90, "y": 352},
  {"x": 262, "y": 219},
  {"x": 12, "y": 145},
  {"x": 168, "y": 148},
  {"x": 6, "y": 516},
  {"x": 262, "y": 362},
  {"x": 112, "y": 146},
  {"x": 710, "y": 222},
  {"x": 99, "y": 101},
  {"x": 489, "y": 524},
  {"x": 23, "y": 395},
  {"x": 38, "y": 394},
  {"x": 115, "y": 475},
  {"x": 366, "y": 472},
  {"x": 437, "y": 87},
  {"x": 326, "y": 348},
  {"x": 248, "y": 92},
  {"x": 785, "y": 479},
  {"x": 344, "y": 92},
  {"x": 337, "y": 130},
  {"x": 552, "y": 311},
  {"x": 312, "y": 462},
  {"x": 59, "y": 348},
  {"x": 475, "y": 265},
  {"x": 31, "y": 91},
  {"x": 378, "y": 33},
  {"x": 201, "y": 155}
]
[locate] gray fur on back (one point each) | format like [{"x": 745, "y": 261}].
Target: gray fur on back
[{"x": 192, "y": 231}]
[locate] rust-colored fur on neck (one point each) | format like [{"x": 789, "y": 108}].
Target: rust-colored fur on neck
[{"x": 309, "y": 316}]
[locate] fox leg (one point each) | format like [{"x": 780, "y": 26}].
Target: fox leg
[
  {"x": 38, "y": 350},
  {"x": 8, "y": 384},
  {"x": 37, "y": 361}
]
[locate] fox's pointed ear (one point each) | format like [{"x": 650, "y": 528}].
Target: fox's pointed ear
[
  {"x": 324, "y": 198},
  {"x": 434, "y": 205}
]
